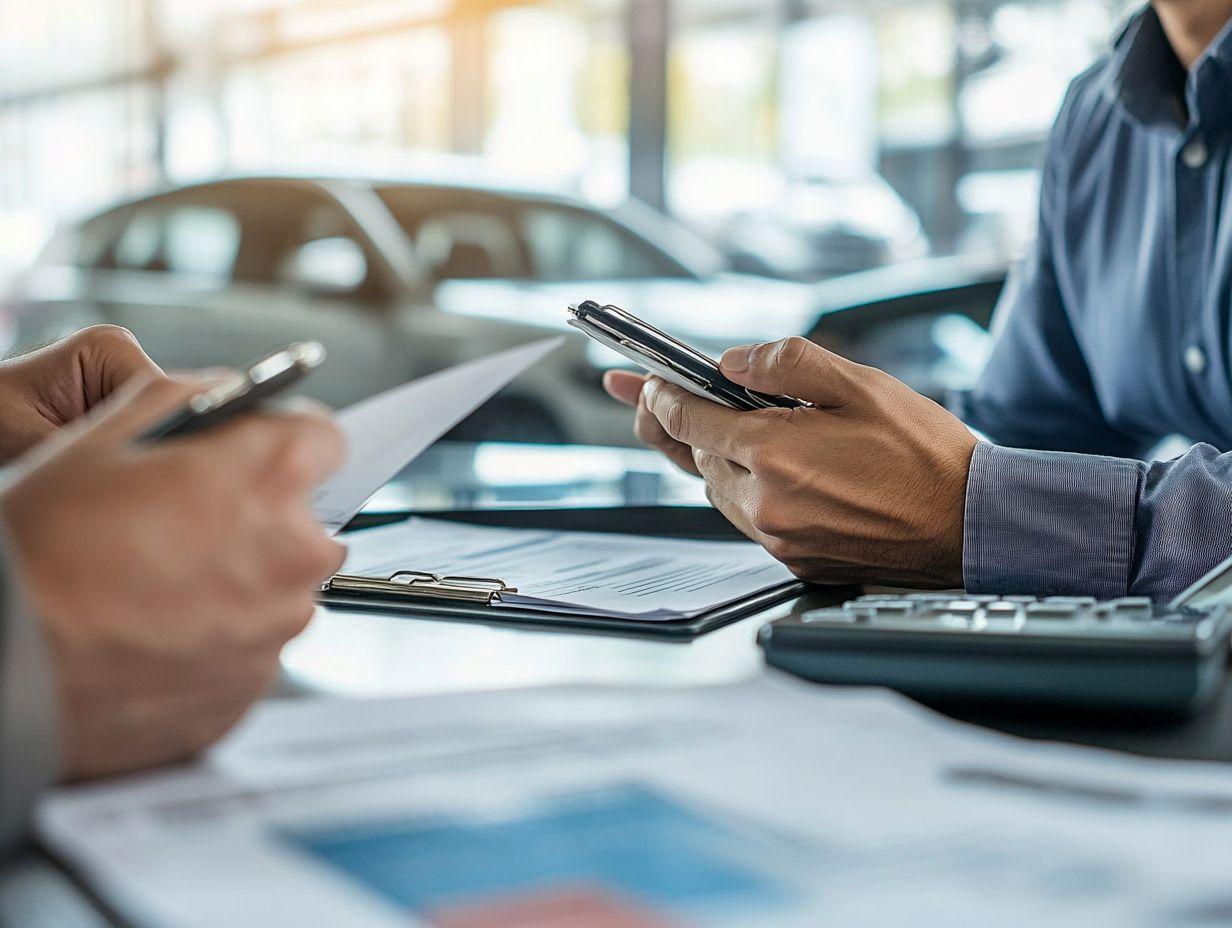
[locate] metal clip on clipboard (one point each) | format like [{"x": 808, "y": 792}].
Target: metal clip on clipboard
[{"x": 419, "y": 584}]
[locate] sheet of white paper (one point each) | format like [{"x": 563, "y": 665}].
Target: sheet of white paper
[
  {"x": 386, "y": 432},
  {"x": 767, "y": 804},
  {"x": 627, "y": 576}
]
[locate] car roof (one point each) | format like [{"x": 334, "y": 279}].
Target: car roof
[{"x": 445, "y": 182}]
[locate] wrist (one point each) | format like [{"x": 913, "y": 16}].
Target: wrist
[{"x": 951, "y": 517}]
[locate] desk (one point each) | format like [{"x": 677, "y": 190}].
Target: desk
[{"x": 353, "y": 654}]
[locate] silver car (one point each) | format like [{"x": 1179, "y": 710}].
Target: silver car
[{"x": 397, "y": 280}]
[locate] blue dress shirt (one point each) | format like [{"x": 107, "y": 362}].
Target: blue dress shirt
[{"x": 1116, "y": 332}]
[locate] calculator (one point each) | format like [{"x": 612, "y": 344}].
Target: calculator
[{"x": 1072, "y": 651}]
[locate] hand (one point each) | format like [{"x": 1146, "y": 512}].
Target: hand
[
  {"x": 868, "y": 486},
  {"x": 48, "y": 388},
  {"x": 628, "y": 387},
  {"x": 168, "y": 576}
]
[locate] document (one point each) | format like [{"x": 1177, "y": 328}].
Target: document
[
  {"x": 768, "y": 804},
  {"x": 384, "y": 433},
  {"x": 591, "y": 573}
]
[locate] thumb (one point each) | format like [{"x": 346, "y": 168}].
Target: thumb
[
  {"x": 793, "y": 367},
  {"x": 138, "y": 405}
]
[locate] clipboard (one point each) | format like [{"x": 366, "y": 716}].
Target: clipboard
[{"x": 419, "y": 594}]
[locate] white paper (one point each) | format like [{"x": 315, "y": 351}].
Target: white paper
[
  {"x": 384, "y": 433},
  {"x": 597, "y": 573},
  {"x": 768, "y": 804}
]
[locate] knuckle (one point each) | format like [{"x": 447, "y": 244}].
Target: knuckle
[
  {"x": 105, "y": 334},
  {"x": 790, "y": 353},
  {"x": 761, "y": 458},
  {"x": 673, "y": 417},
  {"x": 768, "y": 520},
  {"x": 649, "y": 430}
]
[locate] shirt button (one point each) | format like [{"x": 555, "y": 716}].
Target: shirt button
[
  {"x": 1195, "y": 359},
  {"x": 1195, "y": 154}
]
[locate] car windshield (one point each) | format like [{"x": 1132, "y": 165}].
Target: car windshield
[{"x": 462, "y": 234}]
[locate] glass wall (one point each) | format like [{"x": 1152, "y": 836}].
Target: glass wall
[{"x": 913, "y": 125}]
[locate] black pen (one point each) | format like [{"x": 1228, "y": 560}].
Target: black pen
[{"x": 242, "y": 392}]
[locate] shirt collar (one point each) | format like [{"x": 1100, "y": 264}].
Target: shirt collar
[
  {"x": 1209, "y": 89},
  {"x": 1145, "y": 75}
]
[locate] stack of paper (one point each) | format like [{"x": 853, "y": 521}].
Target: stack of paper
[{"x": 763, "y": 805}]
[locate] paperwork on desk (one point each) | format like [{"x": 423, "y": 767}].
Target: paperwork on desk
[
  {"x": 384, "y": 433},
  {"x": 767, "y": 804},
  {"x": 590, "y": 573}
]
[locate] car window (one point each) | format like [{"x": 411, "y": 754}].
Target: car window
[
  {"x": 566, "y": 244},
  {"x": 469, "y": 245},
  {"x": 320, "y": 253},
  {"x": 197, "y": 240}
]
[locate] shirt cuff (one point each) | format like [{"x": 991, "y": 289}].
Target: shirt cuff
[
  {"x": 29, "y": 709},
  {"x": 1047, "y": 523}
]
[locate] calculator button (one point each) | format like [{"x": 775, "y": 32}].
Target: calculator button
[
  {"x": 1051, "y": 611},
  {"x": 830, "y": 617},
  {"x": 1131, "y": 604},
  {"x": 983, "y": 598},
  {"x": 893, "y": 608},
  {"x": 861, "y": 610},
  {"x": 961, "y": 607},
  {"x": 1020, "y": 599},
  {"x": 1073, "y": 600},
  {"x": 1001, "y": 623},
  {"x": 1002, "y": 609}
]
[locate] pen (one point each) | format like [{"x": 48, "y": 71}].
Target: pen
[{"x": 243, "y": 391}]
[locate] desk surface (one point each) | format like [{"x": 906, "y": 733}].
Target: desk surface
[{"x": 358, "y": 654}]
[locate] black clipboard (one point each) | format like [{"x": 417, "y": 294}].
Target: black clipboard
[{"x": 657, "y": 521}]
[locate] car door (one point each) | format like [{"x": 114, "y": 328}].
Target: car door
[{"x": 221, "y": 273}]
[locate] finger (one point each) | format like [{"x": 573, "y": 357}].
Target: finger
[
  {"x": 711, "y": 465},
  {"x": 138, "y": 405},
  {"x": 700, "y": 423},
  {"x": 650, "y": 432},
  {"x": 108, "y": 357},
  {"x": 794, "y": 367},
  {"x": 625, "y": 386},
  {"x": 727, "y": 488},
  {"x": 293, "y": 450}
]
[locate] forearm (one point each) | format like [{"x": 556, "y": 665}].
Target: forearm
[
  {"x": 1046, "y": 523},
  {"x": 29, "y": 729}
]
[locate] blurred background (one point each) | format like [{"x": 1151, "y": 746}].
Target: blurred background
[{"x": 419, "y": 182}]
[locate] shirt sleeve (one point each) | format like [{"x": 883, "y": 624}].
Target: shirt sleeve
[
  {"x": 1059, "y": 523},
  {"x": 1036, "y": 390},
  {"x": 29, "y": 730}
]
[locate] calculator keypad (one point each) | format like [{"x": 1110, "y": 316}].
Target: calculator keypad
[{"x": 1081, "y": 615}]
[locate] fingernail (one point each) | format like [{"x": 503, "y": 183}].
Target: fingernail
[
  {"x": 736, "y": 360},
  {"x": 648, "y": 389}
]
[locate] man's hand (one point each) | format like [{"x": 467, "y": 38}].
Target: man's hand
[
  {"x": 628, "y": 388},
  {"x": 869, "y": 485},
  {"x": 168, "y": 576},
  {"x": 48, "y": 388}
]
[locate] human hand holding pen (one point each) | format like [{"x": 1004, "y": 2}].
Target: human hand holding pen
[{"x": 168, "y": 576}]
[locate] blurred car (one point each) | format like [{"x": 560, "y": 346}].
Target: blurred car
[
  {"x": 821, "y": 227},
  {"x": 397, "y": 280},
  {"x": 400, "y": 279},
  {"x": 926, "y": 322}
]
